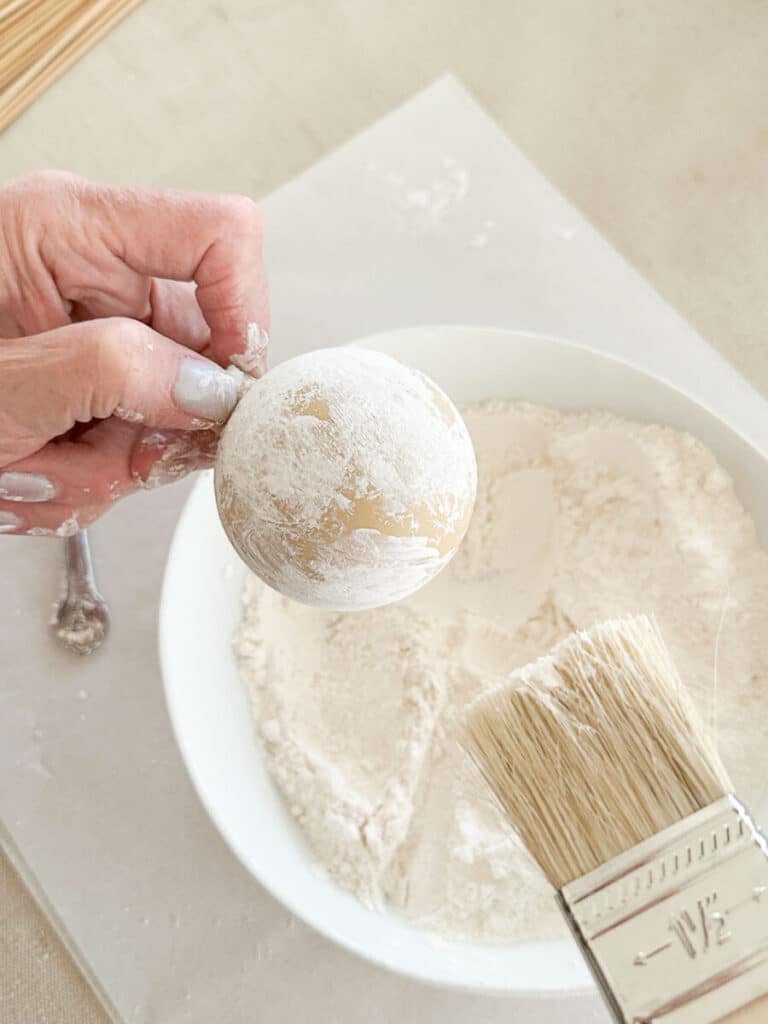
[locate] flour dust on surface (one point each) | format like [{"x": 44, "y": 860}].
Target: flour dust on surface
[{"x": 579, "y": 518}]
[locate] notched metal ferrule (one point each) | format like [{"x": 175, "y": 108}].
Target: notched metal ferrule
[{"x": 676, "y": 929}]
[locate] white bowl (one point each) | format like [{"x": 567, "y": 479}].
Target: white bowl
[{"x": 200, "y": 611}]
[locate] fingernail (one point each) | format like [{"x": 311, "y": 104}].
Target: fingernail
[
  {"x": 9, "y": 522},
  {"x": 243, "y": 381},
  {"x": 204, "y": 389},
  {"x": 26, "y": 487}
]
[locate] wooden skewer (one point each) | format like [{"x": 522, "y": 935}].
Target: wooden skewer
[
  {"x": 15, "y": 28},
  {"x": 10, "y": 13},
  {"x": 49, "y": 20},
  {"x": 93, "y": 20},
  {"x": 17, "y": 55},
  {"x": 8, "y": 10},
  {"x": 24, "y": 30},
  {"x": 14, "y": 23},
  {"x": 74, "y": 32}
]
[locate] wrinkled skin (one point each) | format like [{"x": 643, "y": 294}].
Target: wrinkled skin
[{"x": 106, "y": 295}]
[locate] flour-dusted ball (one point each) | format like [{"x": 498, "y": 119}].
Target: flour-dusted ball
[{"x": 344, "y": 479}]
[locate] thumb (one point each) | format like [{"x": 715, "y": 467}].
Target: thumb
[{"x": 109, "y": 367}]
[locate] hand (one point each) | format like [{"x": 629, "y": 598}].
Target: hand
[{"x": 116, "y": 306}]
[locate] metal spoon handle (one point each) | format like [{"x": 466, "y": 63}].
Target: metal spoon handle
[
  {"x": 81, "y": 621},
  {"x": 78, "y": 563}
]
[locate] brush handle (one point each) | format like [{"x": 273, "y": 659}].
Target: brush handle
[{"x": 755, "y": 1013}]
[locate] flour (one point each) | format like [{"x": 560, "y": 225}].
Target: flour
[
  {"x": 423, "y": 206},
  {"x": 345, "y": 479},
  {"x": 254, "y": 359},
  {"x": 578, "y": 518}
]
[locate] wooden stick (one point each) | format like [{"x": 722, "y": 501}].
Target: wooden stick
[
  {"x": 76, "y": 38},
  {"x": 8, "y": 10},
  {"x": 77, "y": 29},
  {"x": 13, "y": 23},
  {"x": 755, "y": 1013},
  {"x": 31, "y": 19},
  {"x": 16, "y": 24},
  {"x": 30, "y": 43},
  {"x": 91, "y": 21},
  {"x": 19, "y": 55},
  {"x": 25, "y": 30}
]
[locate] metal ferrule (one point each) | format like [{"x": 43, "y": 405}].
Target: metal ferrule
[{"x": 676, "y": 929}]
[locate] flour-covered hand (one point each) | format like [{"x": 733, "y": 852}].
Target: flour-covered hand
[{"x": 118, "y": 310}]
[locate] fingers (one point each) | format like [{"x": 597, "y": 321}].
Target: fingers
[
  {"x": 169, "y": 307},
  {"x": 47, "y": 521},
  {"x": 102, "y": 368},
  {"x": 95, "y": 251},
  {"x": 213, "y": 240},
  {"x": 67, "y": 485},
  {"x": 176, "y": 313}
]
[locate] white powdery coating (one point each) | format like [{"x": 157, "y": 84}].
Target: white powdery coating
[
  {"x": 241, "y": 379},
  {"x": 254, "y": 358},
  {"x": 345, "y": 479},
  {"x": 365, "y": 569},
  {"x": 68, "y": 528},
  {"x": 128, "y": 415},
  {"x": 579, "y": 518}
]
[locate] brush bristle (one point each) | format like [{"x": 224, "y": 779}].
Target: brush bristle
[{"x": 594, "y": 748}]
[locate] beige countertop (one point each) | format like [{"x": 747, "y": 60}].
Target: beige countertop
[{"x": 649, "y": 116}]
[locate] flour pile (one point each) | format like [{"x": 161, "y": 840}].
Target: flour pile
[{"x": 578, "y": 518}]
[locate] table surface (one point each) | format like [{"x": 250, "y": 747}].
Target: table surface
[{"x": 664, "y": 147}]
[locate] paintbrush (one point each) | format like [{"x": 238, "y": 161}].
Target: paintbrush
[{"x": 600, "y": 762}]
